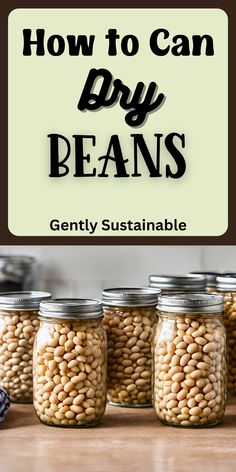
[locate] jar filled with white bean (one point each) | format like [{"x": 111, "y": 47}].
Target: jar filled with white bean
[
  {"x": 18, "y": 325},
  {"x": 129, "y": 320},
  {"x": 70, "y": 363},
  {"x": 226, "y": 286},
  {"x": 189, "y": 375},
  {"x": 171, "y": 284}
]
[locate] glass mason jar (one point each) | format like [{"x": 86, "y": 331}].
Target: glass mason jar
[
  {"x": 70, "y": 363},
  {"x": 17, "y": 273},
  {"x": 170, "y": 284},
  {"x": 226, "y": 286},
  {"x": 189, "y": 349},
  {"x": 18, "y": 325},
  {"x": 210, "y": 279},
  {"x": 129, "y": 319}
]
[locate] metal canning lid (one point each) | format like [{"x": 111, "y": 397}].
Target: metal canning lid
[
  {"x": 24, "y": 259},
  {"x": 71, "y": 308},
  {"x": 22, "y": 300},
  {"x": 130, "y": 296},
  {"x": 178, "y": 282},
  {"x": 226, "y": 282},
  {"x": 227, "y": 274},
  {"x": 191, "y": 303},
  {"x": 210, "y": 276}
]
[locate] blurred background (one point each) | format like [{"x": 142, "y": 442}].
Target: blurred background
[{"x": 83, "y": 271}]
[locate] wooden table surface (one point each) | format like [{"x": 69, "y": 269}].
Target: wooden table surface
[{"x": 128, "y": 440}]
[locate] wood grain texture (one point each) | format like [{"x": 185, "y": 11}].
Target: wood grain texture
[{"x": 128, "y": 440}]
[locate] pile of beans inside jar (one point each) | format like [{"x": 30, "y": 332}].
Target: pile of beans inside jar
[
  {"x": 17, "y": 332},
  {"x": 129, "y": 335},
  {"x": 230, "y": 324},
  {"x": 226, "y": 287},
  {"x": 189, "y": 372},
  {"x": 70, "y": 373}
]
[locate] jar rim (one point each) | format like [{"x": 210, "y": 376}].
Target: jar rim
[
  {"x": 130, "y": 296},
  {"x": 17, "y": 257},
  {"x": 76, "y": 308},
  {"x": 24, "y": 300},
  {"x": 226, "y": 282},
  {"x": 181, "y": 282},
  {"x": 191, "y": 303}
]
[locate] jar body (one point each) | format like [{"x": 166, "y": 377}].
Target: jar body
[
  {"x": 189, "y": 377},
  {"x": 17, "y": 332},
  {"x": 229, "y": 317},
  {"x": 129, "y": 335},
  {"x": 70, "y": 372},
  {"x": 17, "y": 273}
]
